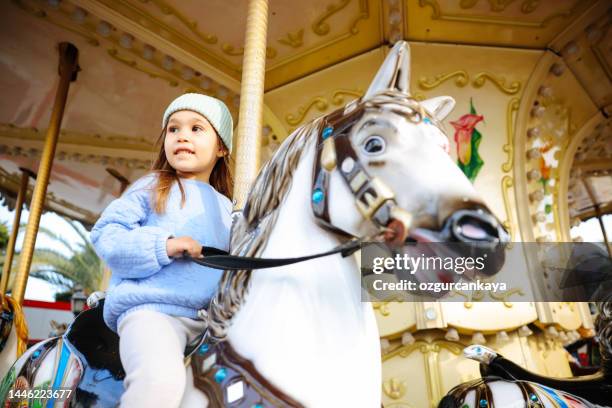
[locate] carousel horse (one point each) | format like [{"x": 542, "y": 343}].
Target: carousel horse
[
  {"x": 506, "y": 384},
  {"x": 301, "y": 334},
  {"x": 13, "y": 332}
]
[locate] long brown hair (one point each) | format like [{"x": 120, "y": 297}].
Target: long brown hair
[{"x": 220, "y": 177}]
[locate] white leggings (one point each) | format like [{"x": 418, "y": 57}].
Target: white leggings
[{"x": 151, "y": 346}]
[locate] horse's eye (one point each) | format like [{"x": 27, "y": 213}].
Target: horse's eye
[{"x": 374, "y": 145}]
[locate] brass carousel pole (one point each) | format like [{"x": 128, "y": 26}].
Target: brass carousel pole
[
  {"x": 248, "y": 140},
  {"x": 10, "y": 250},
  {"x": 68, "y": 68}
]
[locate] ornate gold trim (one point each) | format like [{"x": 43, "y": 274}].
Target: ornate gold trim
[
  {"x": 321, "y": 104},
  {"x": 192, "y": 25},
  {"x": 319, "y": 26},
  {"x": 431, "y": 83},
  {"x": 11, "y": 131},
  {"x": 503, "y": 296},
  {"x": 394, "y": 388},
  {"x": 507, "y": 183},
  {"x": 508, "y": 147},
  {"x": 133, "y": 64},
  {"x": 526, "y": 8},
  {"x": 294, "y": 40},
  {"x": 63, "y": 155},
  {"x": 479, "y": 81},
  {"x": 234, "y": 52},
  {"x": 430, "y": 351},
  {"x": 364, "y": 13}
]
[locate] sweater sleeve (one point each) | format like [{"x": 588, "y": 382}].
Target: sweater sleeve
[{"x": 129, "y": 249}]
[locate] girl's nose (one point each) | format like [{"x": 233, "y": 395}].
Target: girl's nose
[{"x": 182, "y": 137}]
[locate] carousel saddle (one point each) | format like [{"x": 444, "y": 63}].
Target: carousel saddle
[{"x": 594, "y": 388}]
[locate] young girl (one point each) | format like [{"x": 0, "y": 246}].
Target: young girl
[{"x": 154, "y": 293}]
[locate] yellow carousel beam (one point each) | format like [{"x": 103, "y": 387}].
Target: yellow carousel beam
[
  {"x": 68, "y": 68},
  {"x": 10, "y": 250},
  {"x": 248, "y": 140}
]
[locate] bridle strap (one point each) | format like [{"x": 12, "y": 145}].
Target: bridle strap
[
  {"x": 220, "y": 259},
  {"x": 373, "y": 199}
]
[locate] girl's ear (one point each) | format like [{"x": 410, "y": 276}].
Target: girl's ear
[{"x": 221, "y": 151}]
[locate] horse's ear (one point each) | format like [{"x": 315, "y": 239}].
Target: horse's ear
[
  {"x": 440, "y": 106},
  {"x": 394, "y": 73}
]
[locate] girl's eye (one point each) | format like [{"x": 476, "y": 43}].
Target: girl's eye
[
  {"x": 374, "y": 145},
  {"x": 196, "y": 129},
  {"x": 172, "y": 129}
]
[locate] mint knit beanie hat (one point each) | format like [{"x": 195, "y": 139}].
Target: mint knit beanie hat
[{"x": 211, "y": 108}]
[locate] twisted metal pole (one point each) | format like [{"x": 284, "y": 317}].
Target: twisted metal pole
[
  {"x": 248, "y": 140},
  {"x": 68, "y": 68},
  {"x": 10, "y": 249}
]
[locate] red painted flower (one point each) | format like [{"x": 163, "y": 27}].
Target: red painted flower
[{"x": 463, "y": 135}]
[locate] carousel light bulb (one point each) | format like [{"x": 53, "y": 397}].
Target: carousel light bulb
[
  {"x": 552, "y": 332},
  {"x": 533, "y": 175},
  {"x": 187, "y": 74},
  {"x": 502, "y": 337},
  {"x": 407, "y": 339},
  {"x": 533, "y": 132},
  {"x": 79, "y": 15},
  {"x": 168, "y": 63},
  {"x": 557, "y": 68},
  {"x": 222, "y": 92},
  {"x": 534, "y": 153},
  {"x": 395, "y": 36},
  {"x": 539, "y": 217},
  {"x": 592, "y": 33},
  {"x": 452, "y": 335},
  {"x": 394, "y": 17},
  {"x": 148, "y": 52},
  {"x": 571, "y": 48},
  {"x": 205, "y": 83},
  {"x": 104, "y": 29},
  {"x": 126, "y": 41},
  {"x": 563, "y": 337},
  {"x": 384, "y": 345},
  {"x": 545, "y": 91},
  {"x": 524, "y": 331},
  {"x": 538, "y": 111},
  {"x": 479, "y": 338},
  {"x": 575, "y": 335}
]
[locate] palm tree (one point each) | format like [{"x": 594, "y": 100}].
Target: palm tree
[{"x": 81, "y": 267}]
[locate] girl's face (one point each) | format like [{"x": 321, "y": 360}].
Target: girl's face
[{"x": 191, "y": 145}]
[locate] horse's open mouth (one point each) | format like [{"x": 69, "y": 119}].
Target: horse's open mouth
[{"x": 466, "y": 232}]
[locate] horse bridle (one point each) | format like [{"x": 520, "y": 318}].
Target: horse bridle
[{"x": 373, "y": 198}]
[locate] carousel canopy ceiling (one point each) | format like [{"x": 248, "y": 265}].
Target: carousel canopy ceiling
[{"x": 136, "y": 55}]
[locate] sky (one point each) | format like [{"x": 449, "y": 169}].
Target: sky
[{"x": 38, "y": 289}]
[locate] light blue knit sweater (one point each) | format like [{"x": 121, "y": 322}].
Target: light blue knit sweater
[{"x": 131, "y": 239}]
